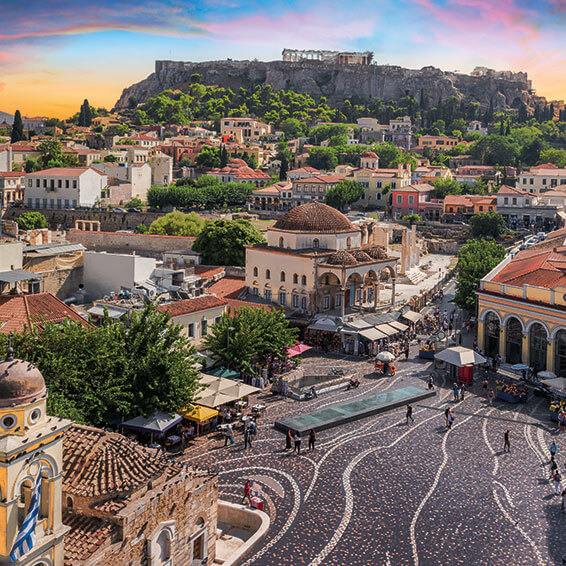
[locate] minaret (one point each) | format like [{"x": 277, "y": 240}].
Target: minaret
[{"x": 31, "y": 443}]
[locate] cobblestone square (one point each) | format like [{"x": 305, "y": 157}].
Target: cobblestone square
[{"x": 379, "y": 491}]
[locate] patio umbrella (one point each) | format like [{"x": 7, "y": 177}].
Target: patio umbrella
[
  {"x": 215, "y": 400},
  {"x": 199, "y": 414},
  {"x": 297, "y": 349},
  {"x": 239, "y": 390},
  {"x": 546, "y": 374},
  {"x": 460, "y": 356},
  {"x": 385, "y": 357}
]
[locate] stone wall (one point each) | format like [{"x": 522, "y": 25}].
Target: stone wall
[
  {"x": 149, "y": 245},
  {"x": 335, "y": 81},
  {"x": 438, "y": 230},
  {"x": 60, "y": 276},
  {"x": 110, "y": 221}
]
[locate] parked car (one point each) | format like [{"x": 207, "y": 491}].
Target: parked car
[
  {"x": 541, "y": 236},
  {"x": 122, "y": 210}
]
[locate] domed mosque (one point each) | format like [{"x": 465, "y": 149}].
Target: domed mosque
[{"x": 316, "y": 260}]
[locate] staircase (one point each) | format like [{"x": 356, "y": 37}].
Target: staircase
[{"x": 416, "y": 275}]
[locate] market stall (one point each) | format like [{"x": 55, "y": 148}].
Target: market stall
[
  {"x": 461, "y": 362},
  {"x": 203, "y": 417},
  {"x": 556, "y": 388},
  {"x": 511, "y": 390},
  {"x": 159, "y": 426}
]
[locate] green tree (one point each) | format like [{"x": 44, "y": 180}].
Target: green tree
[
  {"x": 135, "y": 202},
  {"x": 85, "y": 114},
  {"x": 178, "y": 224},
  {"x": 412, "y": 218},
  {"x": 118, "y": 369},
  {"x": 323, "y": 158},
  {"x": 344, "y": 193},
  {"x": 31, "y": 165},
  {"x": 52, "y": 154},
  {"x": 283, "y": 168},
  {"x": 476, "y": 259},
  {"x": 209, "y": 157},
  {"x": 252, "y": 339},
  {"x": 292, "y": 128},
  {"x": 443, "y": 187},
  {"x": 31, "y": 219},
  {"x": 487, "y": 225},
  {"x": 17, "y": 133},
  {"x": 553, "y": 155},
  {"x": 223, "y": 242},
  {"x": 496, "y": 150},
  {"x": 110, "y": 158},
  {"x": 223, "y": 156}
]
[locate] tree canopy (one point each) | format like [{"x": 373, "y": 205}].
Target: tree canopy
[
  {"x": 17, "y": 133},
  {"x": 178, "y": 223},
  {"x": 116, "y": 370},
  {"x": 52, "y": 155},
  {"x": 251, "y": 339},
  {"x": 476, "y": 259},
  {"x": 223, "y": 242},
  {"x": 85, "y": 114},
  {"x": 344, "y": 194},
  {"x": 31, "y": 219},
  {"x": 487, "y": 225}
]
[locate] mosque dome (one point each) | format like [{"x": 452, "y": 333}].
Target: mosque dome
[
  {"x": 20, "y": 383},
  {"x": 314, "y": 217}
]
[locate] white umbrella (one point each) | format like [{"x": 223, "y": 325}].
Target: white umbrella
[
  {"x": 546, "y": 374},
  {"x": 385, "y": 357},
  {"x": 460, "y": 356}
]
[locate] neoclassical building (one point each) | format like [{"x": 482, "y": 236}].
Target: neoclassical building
[
  {"x": 316, "y": 260},
  {"x": 522, "y": 307},
  {"x": 104, "y": 498}
]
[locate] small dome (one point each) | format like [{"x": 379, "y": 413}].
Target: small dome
[
  {"x": 342, "y": 257},
  {"x": 314, "y": 217},
  {"x": 360, "y": 255},
  {"x": 370, "y": 154},
  {"x": 376, "y": 252},
  {"x": 20, "y": 383}
]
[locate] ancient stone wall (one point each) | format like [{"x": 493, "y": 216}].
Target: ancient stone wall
[
  {"x": 335, "y": 81},
  {"x": 149, "y": 245},
  {"x": 110, "y": 221}
]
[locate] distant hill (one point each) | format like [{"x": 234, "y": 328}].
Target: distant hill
[{"x": 5, "y": 117}]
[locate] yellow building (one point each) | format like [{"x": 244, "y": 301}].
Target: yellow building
[
  {"x": 31, "y": 445},
  {"x": 522, "y": 307}
]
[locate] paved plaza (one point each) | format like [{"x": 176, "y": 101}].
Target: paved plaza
[{"x": 378, "y": 491}]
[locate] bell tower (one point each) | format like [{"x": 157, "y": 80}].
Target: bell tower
[{"x": 31, "y": 446}]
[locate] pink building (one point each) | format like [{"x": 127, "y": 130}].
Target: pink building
[{"x": 410, "y": 199}]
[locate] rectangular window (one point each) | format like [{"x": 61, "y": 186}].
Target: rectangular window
[
  {"x": 282, "y": 298},
  {"x": 37, "y": 201},
  {"x": 59, "y": 184},
  {"x": 59, "y": 203},
  {"x": 514, "y": 200},
  {"x": 267, "y": 295},
  {"x": 66, "y": 183},
  {"x": 338, "y": 299},
  {"x": 204, "y": 327},
  {"x": 544, "y": 181},
  {"x": 531, "y": 181},
  {"x": 44, "y": 203},
  {"x": 411, "y": 199},
  {"x": 295, "y": 301},
  {"x": 51, "y": 203},
  {"x": 505, "y": 200},
  {"x": 327, "y": 302},
  {"x": 74, "y": 203},
  {"x": 191, "y": 330},
  {"x": 217, "y": 319},
  {"x": 524, "y": 180},
  {"x": 399, "y": 199},
  {"x": 74, "y": 184},
  {"x": 30, "y": 203},
  {"x": 66, "y": 203}
]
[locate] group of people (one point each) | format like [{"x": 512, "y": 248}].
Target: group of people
[
  {"x": 250, "y": 432},
  {"x": 459, "y": 391},
  {"x": 293, "y": 440}
]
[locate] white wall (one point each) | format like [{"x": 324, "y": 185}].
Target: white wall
[
  {"x": 161, "y": 169},
  {"x": 105, "y": 273},
  {"x": 140, "y": 179},
  {"x": 6, "y": 159},
  {"x": 11, "y": 255}
]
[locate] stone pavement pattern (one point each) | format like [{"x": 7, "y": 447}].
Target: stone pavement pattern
[{"x": 378, "y": 491}]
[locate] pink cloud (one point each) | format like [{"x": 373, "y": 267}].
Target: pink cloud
[{"x": 307, "y": 29}]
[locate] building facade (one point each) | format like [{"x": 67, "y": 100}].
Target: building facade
[
  {"x": 316, "y": 260},
  {"x": 541, "y": 178},
  {"x": 522, "y": 307},
  {"x": 64, "y": 187},
  {"x": 244, "y": 129},
  {"x": 11, "y": 188}
]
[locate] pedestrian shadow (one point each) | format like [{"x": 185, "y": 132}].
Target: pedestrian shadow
[{"x": 549, "y": 497}]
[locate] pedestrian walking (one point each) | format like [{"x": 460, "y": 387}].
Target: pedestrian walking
[
  {"x": 462, "y": 391},
  {"x": 247, "y": 437},
  {"x": 553, "y": 448},
  {"x": 456, "y": 391},
  {"x": 229, "y": 435},
  {"x": 312, "y": 439},
  {"x": 450, "y": 419},
  {"x": 553, "y": 467},
  {"x": 506, "y": 441},
  {"x": 446, "y": 413},
  {"x": 491, "y": 396},
  {"x": 297, "y": 439},
  {"x": 407, "y": 351},
  {"x": 557, "y": 479},
  {"x": 430, "y": 382},
  {"x": 289, "y": 439},
  {"x": 409, "y": 414},
  {"x": 247, "y": 492}
]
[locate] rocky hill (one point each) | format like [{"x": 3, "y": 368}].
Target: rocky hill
[{"x": 337, "y": 82}]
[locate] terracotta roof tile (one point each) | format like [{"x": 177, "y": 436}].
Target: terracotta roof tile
[
  {"x": 314, "y": 217},
  {"x": 87, "y": 534},
  {"x": 188, "y": 306},
  {"x": 99, "y": 463},
  {"x": 18, "y": 312},
  {"x": 228, "y": 287}
]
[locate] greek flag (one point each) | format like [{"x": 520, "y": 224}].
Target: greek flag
[{"x": 26, "y": 535}]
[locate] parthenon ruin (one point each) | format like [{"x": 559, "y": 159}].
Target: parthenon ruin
[{"x": 338, "y": 57}]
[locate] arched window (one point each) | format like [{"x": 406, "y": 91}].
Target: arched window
[
  {"x": 537, "y": 347},
  {"x": 316, "y": 243},
  {"x": 282, "y": 276},
  {"x": 348, "y": 242},
  {"x": 304, "y": 280},
  {"x": 163, "y": 543},
  {"x": 491, "y": 335},
  {"x": 281, "y": 242},
  {"x": 69, "y": 502},
  {"x": 513, "y": 341},
  {"x": 267, "y": 274},
  {"x": 295, "y": 278},
  {"x": 255, "y": 271},
  {"x": 26, "y": 490},
  {"x": 560, "y": 353}
]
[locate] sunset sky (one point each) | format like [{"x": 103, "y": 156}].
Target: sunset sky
[{"x": 55, "y": 53}]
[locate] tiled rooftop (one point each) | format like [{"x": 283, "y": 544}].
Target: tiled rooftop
[
  {"x": 86, "y": 535},
  {"x": 188, "y": 306}
]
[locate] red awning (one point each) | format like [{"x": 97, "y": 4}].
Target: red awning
[{"x": 297, "y": 350}]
